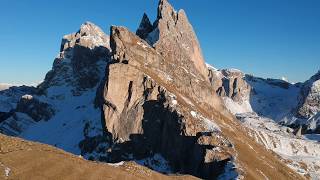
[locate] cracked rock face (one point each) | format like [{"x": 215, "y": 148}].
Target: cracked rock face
[
  {"x": 309, "y": 99},
  {"x": 149, "y": 107},
  {"x": 174, "y": 38},
  {"x": 230, "y": 83}
]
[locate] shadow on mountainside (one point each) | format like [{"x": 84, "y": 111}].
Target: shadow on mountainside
[
  {"x": 163, "y": 134},
  {"x": 84, "y": 64}
]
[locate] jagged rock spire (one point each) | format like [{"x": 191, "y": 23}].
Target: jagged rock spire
[
  {"x": 174, "y": 38},
  {"x": 165, "y": 9},
  {"x": 145, "y": 27}
]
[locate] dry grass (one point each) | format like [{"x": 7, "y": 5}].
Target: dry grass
[{"x": 28, "y": 160}]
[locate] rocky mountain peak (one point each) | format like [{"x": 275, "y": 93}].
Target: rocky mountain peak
[
  {"x": 149, "y": 107},
  {"x": 89, "y": 35},
  {"x": 309, "y": 99},
  {"x": 165, "y": 10},
  {"x": 174, "y": 38},
  {"x": 230, "y": 83},
  {"x": 82, "y": 59},
  {"x": 145, "y": 27}
]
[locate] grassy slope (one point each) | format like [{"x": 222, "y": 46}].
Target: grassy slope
[{"x": 29, "y": 160}]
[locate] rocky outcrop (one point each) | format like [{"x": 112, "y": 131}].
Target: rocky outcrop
[
  {"x": 230, "y": 83},
  {"x": 149, "y": 108},
  {"x": 309, "y": 99},
  {"x": 83, "y": 56},
  {"x": 33, "y": 107},
  {"x": 10, "y": 97},
  {"x": 174, "y": 38},
  {"x": 157, "y": 101},
  {"x": 145, "y": 27}
]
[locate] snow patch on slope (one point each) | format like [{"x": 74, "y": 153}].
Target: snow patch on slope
[
  {"x": 272, "y": 98},
  {"x": 237, "y": 107},
  {"x": 66, "y": 129},
  {"x": 208, "y": 124},
  {"x": 303, "y": 155},
  {"x": 6, "y": 170},
  {"x": 16, "y": 124}
]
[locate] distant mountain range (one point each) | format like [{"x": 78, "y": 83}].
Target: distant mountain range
[{"x": 4, "y": 86}]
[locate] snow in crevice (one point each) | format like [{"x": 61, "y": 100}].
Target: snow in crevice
[
  {"x": 121, "y": 163},
  {"x": 208, "y": 124},
  {"x": 167, "y": 76},
  {"x": 211, "y": 67},
  {"x": 142, "y": 44},
  {"x": 6, "y": 169}
]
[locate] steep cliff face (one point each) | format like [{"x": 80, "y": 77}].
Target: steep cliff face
[
  {"x": 174, "y": 38},
  {"x": 81, "y": 60},
  {"x": 309, "y": 99},
  {"x": 230, "y": 83},
  {"x": 147, "y": 110},
  {"x": 156, "y": 101}
]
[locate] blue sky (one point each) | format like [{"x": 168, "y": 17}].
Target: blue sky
[{"x": 267, "y": 38}]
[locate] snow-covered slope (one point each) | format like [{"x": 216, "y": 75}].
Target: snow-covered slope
[
  {"x": 68, "y": 92},
  {"x": 73, "y": 115},
  {"x": 299, "y": 153},
  {"x": 265, "y": 110},
  {"x": 275, "y": 99}
]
